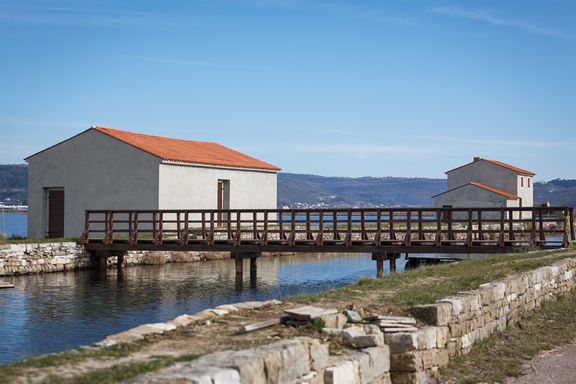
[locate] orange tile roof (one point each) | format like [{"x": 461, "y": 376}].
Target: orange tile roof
[
  {"x": 516, "y": 169},
  {"x": 508, "y": 195},
  {"x": 198, "y": 152}
]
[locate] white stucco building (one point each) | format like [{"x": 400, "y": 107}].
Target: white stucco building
[
  {"x": 487, "y": 183},
  {"x": 104, "y": 168}
]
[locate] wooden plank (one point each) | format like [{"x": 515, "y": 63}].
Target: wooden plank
[{"x": 259, "y": 325}]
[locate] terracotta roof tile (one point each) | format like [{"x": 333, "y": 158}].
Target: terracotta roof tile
[
  {"x": 508, "y": 195},
  {"x": 516, "y": 169},
  {"x": 198, "y": 152}
]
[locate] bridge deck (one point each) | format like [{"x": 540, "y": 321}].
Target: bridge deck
[{"x": 383, "y": 230}]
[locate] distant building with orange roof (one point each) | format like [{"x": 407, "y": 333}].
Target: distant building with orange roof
[
  {"x": 104, "y": 168},
  {"x": 487, "y": 183}
]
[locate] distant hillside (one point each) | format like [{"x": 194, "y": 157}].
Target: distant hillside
[
  {"x": 295, "y": 190},
  {"x": 298, "y": 190},
  {"x": 559, "y": 192},
  {"x": 14, "y": 183}
]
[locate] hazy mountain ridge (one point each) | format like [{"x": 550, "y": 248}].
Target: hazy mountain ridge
[
  {"x": 302, "y": 190},
  {"x": 13, "y": 183},
  {"x": 297, "y": 190}
]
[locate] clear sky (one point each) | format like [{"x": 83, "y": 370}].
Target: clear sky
[{"x": 335, "y": 88}]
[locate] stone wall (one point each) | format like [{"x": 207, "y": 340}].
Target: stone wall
[
  {"x": 21, "y": 259},
  {"x": 18, "y": 259},
  {"x": 456, "y": 322}
]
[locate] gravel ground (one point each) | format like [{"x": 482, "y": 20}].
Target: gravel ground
[{"x": 556, "y": 366}]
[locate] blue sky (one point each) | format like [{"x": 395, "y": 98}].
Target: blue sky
[{"x": 336, "y": 88}]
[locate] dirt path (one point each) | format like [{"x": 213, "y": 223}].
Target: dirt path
[{"x": 554, "y": 367}]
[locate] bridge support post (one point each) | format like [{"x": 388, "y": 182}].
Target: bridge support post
[
  {"x": 102, "y": 261},
  {"x": 120, "y": 262},
  {"x": 392, "y": 263},
  {"x": 379, "y": 257},
  {"x": 239, "y": 267}
]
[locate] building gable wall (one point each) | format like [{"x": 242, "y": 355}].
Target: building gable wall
[
  {"x": 96, "y": 172},
  {"x": 485, "y": 173},
  {"x": 470, "y": 196}
]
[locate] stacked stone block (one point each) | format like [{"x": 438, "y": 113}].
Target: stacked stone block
[
  {"x": 18, "y": 259},
  {"x": 457, "y": 321},
  {"x": 22, "y": 259}
]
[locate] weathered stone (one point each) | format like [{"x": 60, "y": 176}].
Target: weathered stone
[
  {"x": 406, "y": 361},
  {"x": 228, "y": 307},
  {"x": 433, "y": 314},
  {"x": 286, "y": 360},
  {"x": 352, "y": 316},
  {"x": 395, "y": 319},
  {"x": 342, "y": 372},
  {"x": 309, "y": 312},
  {"x": 187, "y": 373},
  {"x": 332, "y": 331},
  {"x": 398, "y": 329},
  {"x": 456, "y": 304},
  {"x": 336, "y": 320},
  {"x": 402, "y": 342},
  {"x": 427, "y": 337},
  {"x": 183, "y": 320},
  {"x": 248, "y": 363}
]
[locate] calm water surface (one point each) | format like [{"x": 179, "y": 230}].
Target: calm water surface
[
  {"x": 15, "y": 224},
  {"x": 58, "y": 311}
]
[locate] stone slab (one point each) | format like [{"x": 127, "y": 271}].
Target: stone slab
[
  {"x": 309, "y": 312},
  {"x": 396, "y": 319}
]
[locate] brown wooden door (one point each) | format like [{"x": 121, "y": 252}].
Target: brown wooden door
[
  {"x": 55, "y": 214},
  {"x": 220, "y": 200}
]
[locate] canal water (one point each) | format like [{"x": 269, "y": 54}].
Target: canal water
[
  {"x": 54, "y": 312},
  {"x": 14, "y": 224}
]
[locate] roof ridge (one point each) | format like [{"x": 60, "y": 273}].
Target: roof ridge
[
  {"x": 495, "y": 162},
  {"x": 480, "y": 185},
  {"x": 180, "y": 150}
]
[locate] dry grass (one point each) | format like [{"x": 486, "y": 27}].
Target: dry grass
[{"x": 504, "y": 355}]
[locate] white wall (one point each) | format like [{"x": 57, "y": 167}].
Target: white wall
[
  {"x": 96, "y": 172},
  {"x": 525, "y": 192},
  {"x": 195, "y": 187}
]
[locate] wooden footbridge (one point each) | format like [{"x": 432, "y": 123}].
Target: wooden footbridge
[{"x": 384, "y": 232}]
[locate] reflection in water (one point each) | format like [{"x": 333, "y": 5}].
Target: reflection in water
[{"x": 58, "y": 311}]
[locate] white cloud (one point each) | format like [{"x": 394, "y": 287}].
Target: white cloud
[{"x": 488, "y": 17}]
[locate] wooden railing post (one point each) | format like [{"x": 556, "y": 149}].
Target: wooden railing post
[
  {"x": 533, "y": 229},
  {"x": 501, "y": 234},
  {"x": 571, "y": 210},
  {"x": 85, "y": 238},
  {"x": 421, "y": 235},
  {"x": 335, "y": 221},
  {"x": 470, "y": 229},
  {"x": 408, "y": 235},
  {"x": 541, "y": 227},
  {"x": 511, "y": 225},
  {"x": 391, "y": 217}
]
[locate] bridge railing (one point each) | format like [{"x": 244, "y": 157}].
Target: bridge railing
[{"x": 535, "y": 226}]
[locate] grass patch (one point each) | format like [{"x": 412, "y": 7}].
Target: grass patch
[
  {"x": 428, "y": 284},
  {"x": 19, "y": 240},
  {"x": 504, "y": 355},
  {"x": 57, "y": 359},
  {"x": 123, "y": 372}
]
